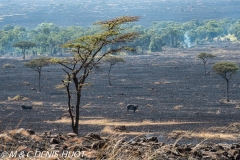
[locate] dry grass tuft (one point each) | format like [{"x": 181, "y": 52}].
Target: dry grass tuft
[
  {"x": 36, "y": 137},
  {"x": 117, "y": 148},
  {"x": 141, "y": 97},
  {"x": 7, "y": 65},
  {"x": 224, "y": 101},
  {"x": 17, "y": 98},
  {"x": 19, "y": 123},
  {"x": 167, "y": 82},
  {"x": 26, "y": 83},
  {"x": 114, "y": 148},
  {"x": 21, "y": 131},
  {"x": 60, "y": 86},
  {"x": 209, "y": 135},
  {"x": 109, "y": 122},
  {"x": 108, "y": 129},
  {"x": 237, "y": 106},
  {"x": 123, "y": 80},
  {"x": 149, "y": 105},
  {"x": 87, "y": 105},
  {"x": 120, "y": 103},
  {"x": 220, "y": 51},
  {"x": 89, "y": 117},
  {"x": 204, "y": 135},
  {"x": 37, "y": 103},
  {"x": 218, "y": 111},
  {"x": 56, "y": 104},
  {"x": 231, "y": 128},
  {"x": 4, "y": 137},
  {"x": 178, "y": 107}
]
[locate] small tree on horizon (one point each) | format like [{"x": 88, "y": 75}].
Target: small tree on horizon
[
  {"x": 24, "y": 45},
  {"x": 226, "y": 70},
  {"x": 88, "y": 51},
  {"x": 37, "y": 65},
  {"x": 205, "y": 57},
  {"x": 112, "y": 60}
]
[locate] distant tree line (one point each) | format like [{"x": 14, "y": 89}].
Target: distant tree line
[
  {"x": 185, "y": 35},
  {"x": 48, "y": 37}
]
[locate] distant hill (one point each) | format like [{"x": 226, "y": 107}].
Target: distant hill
[{"x": 30, "y": 13}]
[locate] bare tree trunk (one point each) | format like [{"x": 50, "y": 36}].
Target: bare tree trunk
[
  {"x": 23, "y": 52},
  {"x": 109, "y": 78},
  {"x": 39, "y": 80},
  {"x": 75, "y": 127},
  {"x": 227, "y": 95},
  {"x": 205, "y": 70},
  {"x": 69, "y": 103},
  {"x": 78, "y": 88},
  {"x": 69, "y": 98}
]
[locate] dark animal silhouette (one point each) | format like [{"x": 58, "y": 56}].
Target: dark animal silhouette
[
  {"x": 26, "y": 107},
  {"x": 132, "y": 107}
]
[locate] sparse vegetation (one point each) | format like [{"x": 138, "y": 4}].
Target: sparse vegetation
[
  {"x": 165, "y": 106},
  {"x": 37, "y": 65},
  {"x": 17, "y": 98},
  {"x": 178, "y": 107},
  {"x": 205, "y": 57},
  {"x": 8, "y": 65},
  {"x": 226, "y": 70},
  {"x": 24, "y": 45},
  {"x": 26, "y": 83},
  {"x": 111, "y": 122},
  {"x": 112, "y": 60},
  {"x": 174, "y": 97},
  {"x": 88, "y": 51}
]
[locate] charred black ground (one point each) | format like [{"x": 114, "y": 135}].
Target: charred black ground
[{"x": 156, "y": 82}]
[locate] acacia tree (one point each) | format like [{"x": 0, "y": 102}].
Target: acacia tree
[
  {"x": 225, "y": 70},
  {"x": 87, "y": 52},
  {"x": 112, "y": 60},
  {"x": 37, "y": 65},
  {"x": 205, "y": 57},
  {"x": 23, "y": 45}
]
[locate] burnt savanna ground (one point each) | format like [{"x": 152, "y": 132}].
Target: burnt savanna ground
[{"x": 170, "y": 88}]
